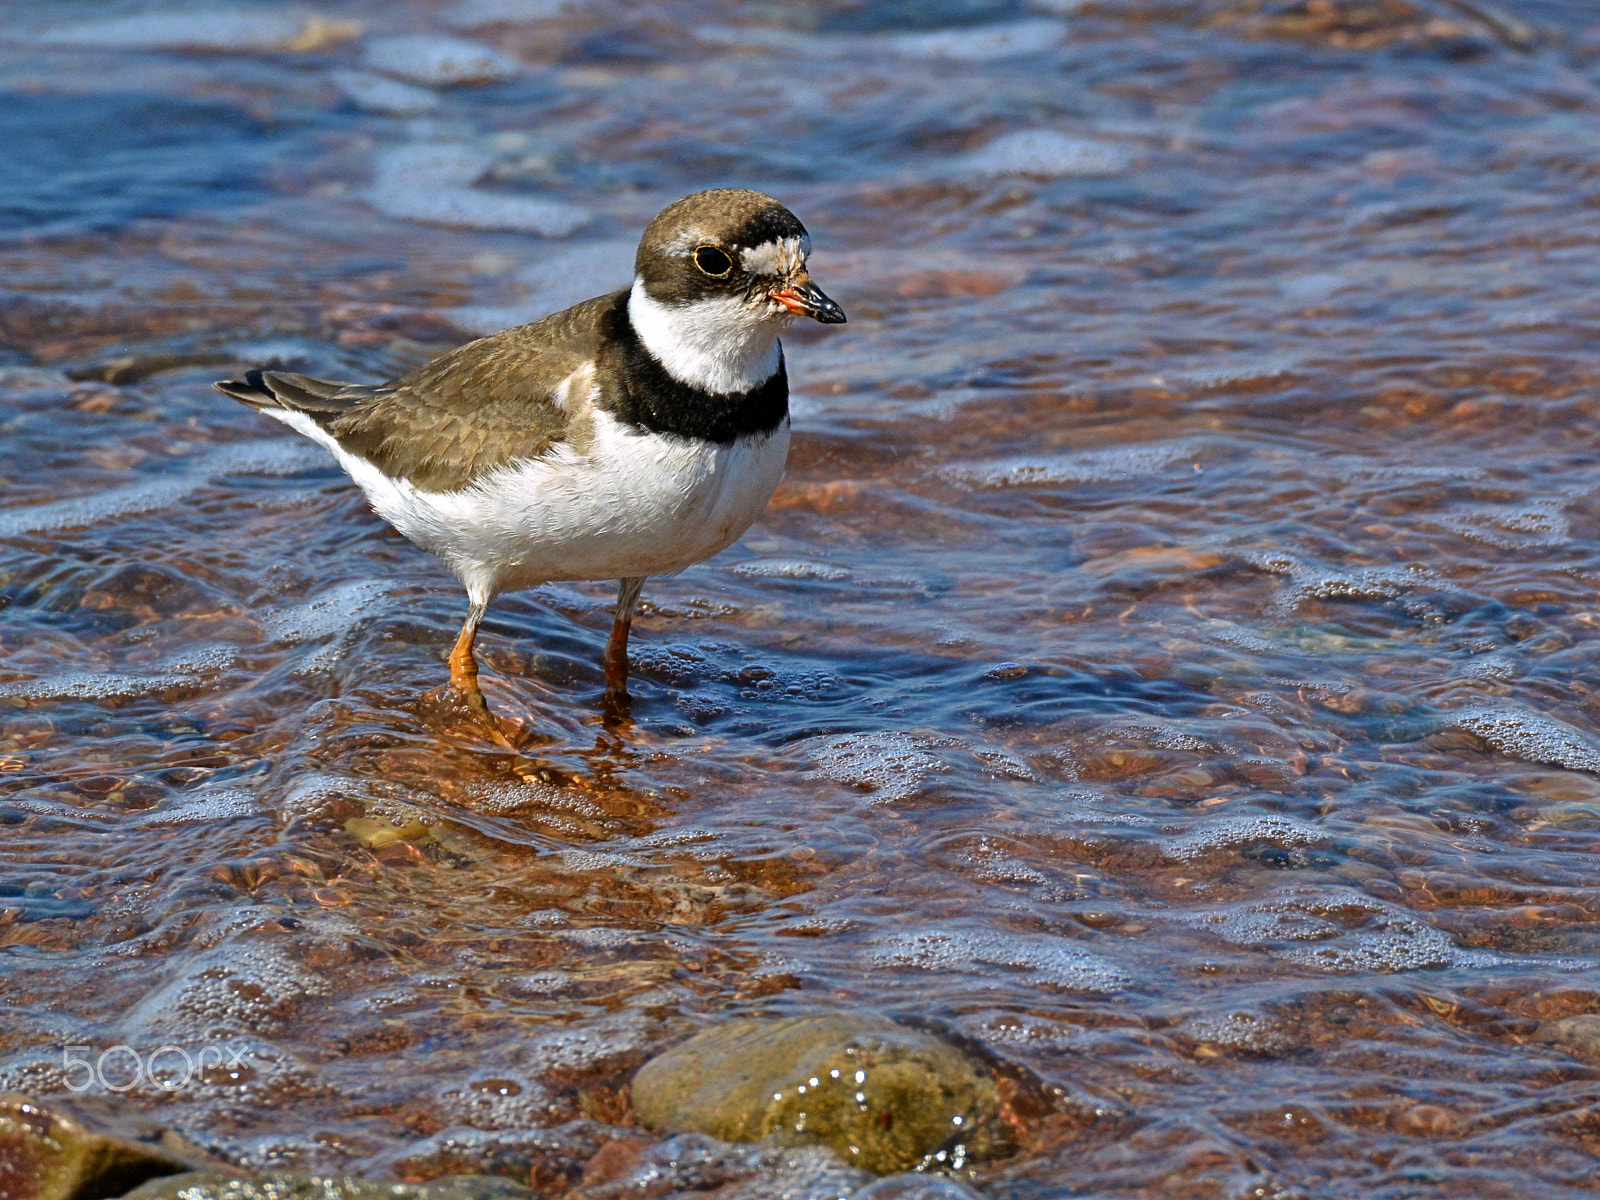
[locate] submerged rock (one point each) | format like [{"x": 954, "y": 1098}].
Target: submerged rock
[
  {"x": 884, "y": 1097},
  {"x": 277, "y": 1185},
  {"x": 83, "y": 1149},
  {"x": 1579, "y": 1036}
]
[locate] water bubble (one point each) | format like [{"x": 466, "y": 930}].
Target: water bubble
[
  {"x": 780, "y": 568},
  {"x": 1530, "y": 525},
  {"x": 1083, "y": 466},
  {"x": 206, "y": 807},
  {"x": 337, "y": 610},
  {"x": 504, "y": 1102},
  {"x": 1238, "y": 831},
  {"x": 1041, "y": 959},
  {"x": 1343, "y": 931},
  {"x": 237, "y": 989},
  {"x": 892, "y": 766},
  {"x": 1529, "y": 736},
  {"x": 84, "y": 685}
]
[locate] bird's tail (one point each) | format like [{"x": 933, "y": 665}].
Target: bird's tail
[{"x": 320, "y": 399}]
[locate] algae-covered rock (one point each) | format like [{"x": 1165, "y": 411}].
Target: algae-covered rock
[
  {"x": 277, "y": 1185},
  {"x": 884, "y": 1097},
  {"x": 82, "y": 1149}
]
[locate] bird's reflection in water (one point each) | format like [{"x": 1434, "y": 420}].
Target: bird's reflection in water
[{"x": 505, "y": 739}]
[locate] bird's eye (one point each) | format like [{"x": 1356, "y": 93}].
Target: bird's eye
[{"x": 712, "y": 261}]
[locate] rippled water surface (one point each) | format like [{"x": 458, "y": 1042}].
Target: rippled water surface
[{"x": 1170, "y": 660}]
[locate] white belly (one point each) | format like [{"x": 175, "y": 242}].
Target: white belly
[{"x": 637, "y": 504}]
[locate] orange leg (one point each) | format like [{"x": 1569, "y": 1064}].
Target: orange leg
[
  {"x": 617, "y": 648},
  {"x": 463, "y": 666}
]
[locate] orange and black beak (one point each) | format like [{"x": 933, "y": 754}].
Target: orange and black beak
[{"x": 805, "y": 299}]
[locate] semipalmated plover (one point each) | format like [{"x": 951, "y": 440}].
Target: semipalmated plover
[{"x": 629, "y": 436}]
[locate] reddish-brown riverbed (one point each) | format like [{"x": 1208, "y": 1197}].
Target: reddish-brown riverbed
[{"x": 1170, "y": 660}]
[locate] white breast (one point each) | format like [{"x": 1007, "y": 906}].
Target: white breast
[
  {"x": 636, "y": 504},
  {"x": 724, "y": 345}
]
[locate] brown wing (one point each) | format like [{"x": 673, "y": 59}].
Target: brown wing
[{"x": 452, "y": 420}]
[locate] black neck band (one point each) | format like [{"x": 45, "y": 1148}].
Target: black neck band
[{"x": 649, "y": 398}]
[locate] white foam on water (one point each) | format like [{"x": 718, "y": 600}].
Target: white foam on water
[
  {"x": 984, "y": 43},
  {"x": 240, "y": 989},
  {"x": 1081, "y": 806},
  {"x": 597, "y": 860},
  {"x": 437, "y": 61},
  {"x": 202, "y": 659},
  {"x": 1043, "y": 959},
  {"x": 224, "y": 31},
  {"x": 1224, "y": 371},
  {"x": 1230, "y": 634},
  {"x": 431, "y": 182},
  {"x": 1254, "y": 1033},
  {"x": 1494, "y": 668},
  {"x": 1309, "y": 581},
  {"x": 1361, "y": 468},
  {"x": 337, "y": 610},
  {"x": 267, "y": 457},
  {"x": 502, "y": 799},
  {"x": 892, "y": 766},
  {"x": 310, "y": 793},
  {"x": 1084, "y": 466},
  {"x": 1529, "y": 736},
  {"x": 1527, "y": 526},
  {"x": 1238, "y": 831},
  {"x": 1045, "y": 154},
  {"x": 149, "y": 496},
  {"x": 992, "y": 863},
  {"x": 207, "y": 807},
  {"x": 790, "y": 568},
  {"x": 85, "y": 685},
  {"x": 377, "y": 94},
  {"x": 509, "y": 1100},
  {"x": 1342, "y": 931},
  {"x": 1393, "y": 943}
]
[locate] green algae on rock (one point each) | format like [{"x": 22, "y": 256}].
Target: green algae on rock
[
  {"x": 276, "y": 1185},
  {"x": 884, "y": 1097},
  {"x": 83, "y": 1149}
]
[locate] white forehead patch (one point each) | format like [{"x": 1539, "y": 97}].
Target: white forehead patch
[{"x": 776, "y": 258}]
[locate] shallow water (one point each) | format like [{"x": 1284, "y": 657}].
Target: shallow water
[{"x": 1169, "y": 661}]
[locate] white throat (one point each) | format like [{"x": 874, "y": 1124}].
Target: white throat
[{"x": 724, "y": 345}]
